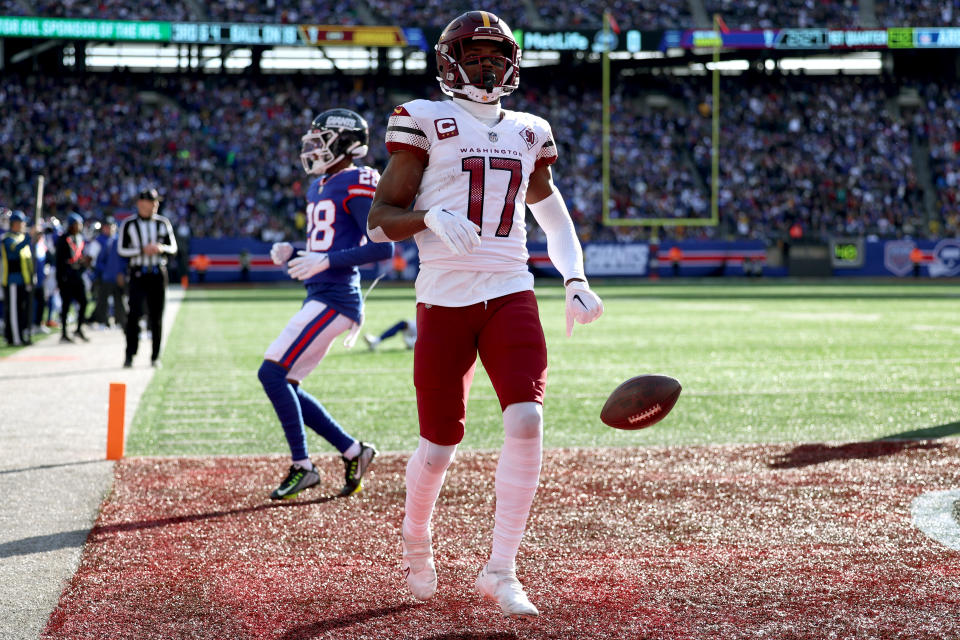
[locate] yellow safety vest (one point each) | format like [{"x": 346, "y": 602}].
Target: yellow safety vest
[{"x": 25, "y": 256}]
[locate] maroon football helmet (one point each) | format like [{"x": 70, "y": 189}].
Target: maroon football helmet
[{"x": 453, "y": 77}]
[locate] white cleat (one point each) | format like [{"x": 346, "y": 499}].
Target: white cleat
[
  {"x": 372, "y": 342},
  {"x": 418, "y": 568},
  {"x": 503, "y": 588}
]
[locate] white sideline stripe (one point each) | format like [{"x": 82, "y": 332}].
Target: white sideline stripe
[
  {"x": 933, "y": 514},
  {"x": 932, "y": 327}
]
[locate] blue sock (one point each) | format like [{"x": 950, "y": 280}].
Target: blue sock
[
  {"x": 317, "y": 418},
  {"x": 281, "y": 393},
  {"x": 392, "y": 331}
]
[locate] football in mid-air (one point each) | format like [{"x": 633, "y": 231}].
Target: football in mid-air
[{"x": 640, "y": 402}]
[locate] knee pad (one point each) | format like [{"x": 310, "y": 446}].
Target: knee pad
[
  {"x": 436, "y": 457},
  {"x": 523, "y": 421}
]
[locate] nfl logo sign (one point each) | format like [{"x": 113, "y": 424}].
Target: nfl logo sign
[{"x": 946, "y": 259}]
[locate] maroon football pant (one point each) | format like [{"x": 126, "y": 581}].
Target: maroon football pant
[{"x": 506, "y": 332}]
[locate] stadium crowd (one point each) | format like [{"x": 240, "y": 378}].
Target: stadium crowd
[
  {"x": 918, "y": 13},
  {"x": 634, "y": 14},
  {"x": 100, "y": 10},
  {"x": 767, "y": 14},
  {"x": 832, "y": 153},
  {"x": 224, "y": 149},
  {"x": 341, "y": 12},
  {"x": 827, "y": 153},
  {"x": 938, "y": 124}
]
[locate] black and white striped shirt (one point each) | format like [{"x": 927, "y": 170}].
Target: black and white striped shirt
[{"x": 136, "y": 233}]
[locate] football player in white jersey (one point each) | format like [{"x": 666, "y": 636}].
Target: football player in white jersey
[{"x": 460, "y": 174}]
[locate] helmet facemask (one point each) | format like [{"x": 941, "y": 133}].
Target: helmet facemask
[
  {"x": 501, "y": 73},
  {"x": 323, "y": 146}
]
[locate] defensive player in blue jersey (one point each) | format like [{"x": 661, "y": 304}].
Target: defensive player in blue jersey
[{"x": 338, "y": 201}]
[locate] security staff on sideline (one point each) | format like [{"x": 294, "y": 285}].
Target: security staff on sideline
[
  {"x": 146, "y": 240},
  {"x": 16, "y": 267},
  {"x": 71, "y": 263}
]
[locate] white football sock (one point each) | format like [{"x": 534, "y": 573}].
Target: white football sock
[
  {"x": 518, "y": 474},
  {"x": 352, "y": 451},
  {"x": 305, "y": 464},
  {"x": 426, "y": 470}
]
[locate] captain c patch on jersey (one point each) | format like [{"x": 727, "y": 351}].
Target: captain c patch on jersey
[{"x": 446, "y": 128}]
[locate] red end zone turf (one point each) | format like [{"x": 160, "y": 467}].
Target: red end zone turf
[{"x": 700, "y": 542}]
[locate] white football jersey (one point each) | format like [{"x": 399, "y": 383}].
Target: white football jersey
[{"x": 481, "y": 172}]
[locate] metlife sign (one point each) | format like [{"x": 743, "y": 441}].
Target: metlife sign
[{"x": 579, "y": 40}]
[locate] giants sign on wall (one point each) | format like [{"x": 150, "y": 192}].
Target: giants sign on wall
[
  {"x": 946, "y": 259},
  {"x": 616, "y": 259}
]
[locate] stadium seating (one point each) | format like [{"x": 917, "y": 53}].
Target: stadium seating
[
  {"x": 102, "y": 9},
  {"x": 938, "y": 125},
  {"x": 223, "y": 150},
  {"x": 426, "y": 13},
  {"x": 540, "y": 14},
  {"x": 918, "y": 13},
  {"x": 765, "y": 14},
  {"x": 836, "y": 154}
]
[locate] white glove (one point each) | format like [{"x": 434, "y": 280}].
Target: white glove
[
  {"x": 583, "y": 305},
  {"x": 307, "y": 264},
  {"x": 459, "y": 234},
  {"x": 281, "y": 252}
]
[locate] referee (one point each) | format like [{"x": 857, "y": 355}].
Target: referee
[{"x": 145, "y": 241}]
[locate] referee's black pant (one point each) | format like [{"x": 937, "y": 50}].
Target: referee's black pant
[
  {"x": 150, "y": 288},
  {"x": 16, "y": 311}
]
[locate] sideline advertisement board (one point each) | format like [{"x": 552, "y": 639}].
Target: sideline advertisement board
[
  {"x": 574, "y": 40},
  {"x": 705, "y": 259},
  {"x": 210, "y": 33}
]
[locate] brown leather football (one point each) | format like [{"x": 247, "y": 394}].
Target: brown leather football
[{"x": 640, "y": 402}]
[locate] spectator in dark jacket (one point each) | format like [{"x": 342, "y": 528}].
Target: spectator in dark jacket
[
  {"x": 109, "y": 277},
  {"x": 70, "y": 265}
]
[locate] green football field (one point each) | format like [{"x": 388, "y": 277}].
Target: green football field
[{"x": 759, "y": 362}]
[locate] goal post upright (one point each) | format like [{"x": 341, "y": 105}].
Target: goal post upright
[
  {"x": 715, "y": 128},
  {"x": 714, "y": 219},
  {"x": 605, "y": 122}
]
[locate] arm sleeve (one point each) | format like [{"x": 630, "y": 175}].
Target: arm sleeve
[
  {"x": 172, "y": 247},
  {"x": 563, "y": 246},
  {"x": 359, "y": 208},
  {"x": 125, "y": 246}
]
